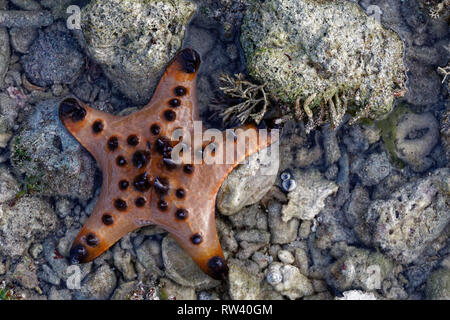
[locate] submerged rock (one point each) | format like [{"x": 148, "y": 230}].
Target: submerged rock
[
  {"x": 134, "y": 39},
  {"x": 53, "y": 162},
  {"x": 281, "y": 232},
  {"x": 306, "y": 201},
  {"x": 53, "y": 58},
  {"x": 373, "y": 169},
  {"x": 182, "y": 269},
  {"x": 248, "y": 183},
  {"x": 30, "y": 219},
  {"x": 9, "y": 188},
  {"x": 5, "y": 53},
  {"x": 360, "y": 268},
  {"x": 415, "y": 215},
  {"x": 445, "y": 133},
  {"x": 288, "y": 280},
  {"x": 329, "y": 54},
  {"x": 438, "y": 285},
  {"x": 246, "y": 283},
  {"x": 98, "y": 285},
  {"x": 25, "y": 273},
  {"x": 416, "y": 136}
]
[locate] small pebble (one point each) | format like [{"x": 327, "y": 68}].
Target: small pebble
[
  {"x": 286, "y": 257},
  {"x": 25, "y": 19}
]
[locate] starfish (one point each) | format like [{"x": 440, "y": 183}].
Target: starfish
[{"x": 142, "y": 184}]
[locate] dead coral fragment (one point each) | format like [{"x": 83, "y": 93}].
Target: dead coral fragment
[
  {"x": 439, "y": 8},
  {"x": 445, "y": 71},
  {"x": 254, "y": 100}
]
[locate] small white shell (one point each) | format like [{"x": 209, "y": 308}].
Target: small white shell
[
  {"x": 285, "y": 175},
  {"x": 288, "y": 185}
]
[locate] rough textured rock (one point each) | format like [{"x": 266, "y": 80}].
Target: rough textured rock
[
  {"x": 306, "y": 201},
  {"x": 22, "y": 38},
  {"x": 373, "y": 169},
  {"x": 25, "y": 273},
  {"x": 445, "y": 133},
  {"x": 305, "y": 49},
  {"x": 281, "y": 232},
  {"x": 359, "y": 268},
  {"x": 246, "y": 283},
  {"x": 123, "y": 291},
  {"x": 9, "y": 109},
  {"x": 247, "y": 183},
  {"x": 250, "y": 217},
  {"x": 54, "y": 57},
  {"x": 357, "y": 295},
  {"x": 29, "y": 219},
  {"x": 5, "y": 53},
  {"x": 9, "y": 187},
  {"x": 288, "y": 281},
  {"x": 355, "y": 211},
  {"x": 438, "y": 285},
  {"x": 53, "y": 162},
  {"x": 59, "y": 294},
  {"x": 134, "y": 39},
  {"x": 123, "y": 262},
  {"x": 416, "y": 136},
  {"x": 182, "y": 269},
  {"x": 172, "y": 291},
  {"x": 99, "y": 285},
  {"x": 25, "y": 19},
  {"x": 147, "y": 254},
  {"x": 414, "y": 215}
]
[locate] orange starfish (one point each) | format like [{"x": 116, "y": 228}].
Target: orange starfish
[{"x": 142, "y": 184}]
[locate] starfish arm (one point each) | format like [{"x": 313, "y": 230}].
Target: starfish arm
[
  {"x": 174, "y": 103},
  {"x": 89, "y": 126},
  {"x": 104, "y": 228}
]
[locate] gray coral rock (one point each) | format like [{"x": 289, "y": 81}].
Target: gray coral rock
[
  {"x": 98, "y": 285},
  {"x": 317, "y": 50},
  {"x": 9, "y": 188},
  {"x": 416, "y": 136},
  {"x": 173, "y": 291},
  {"x": 9, "y": 109},
  {"x": 415, "y": 215},
  {"x": 438, "y": 285},
  {"x": 288, "y": 280},
  {"x": 5, "y": 53},
  {"x": 360, "y": 268},
  {"x": 373, "y": 169},
  {"x": 53, "y": 162},
  {"x": 182, "y": 269},
  {"x": 306, "y": 201},
  {"x": 246, "y": 283},
  {"x": 445, "y": 133},
  {"x": 54, "y": 57},
  {"x": 25, "y": 273},
  {"x": 30, "y": 219},
  {"x": 134, "y": 39},
  {"x": 281, "y": 232},
  {"x": 22, "y": 38},
  {"x": 248, "y": 183}
]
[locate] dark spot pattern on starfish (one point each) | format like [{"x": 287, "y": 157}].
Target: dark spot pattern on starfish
[{"x": 141, "y": 184}]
